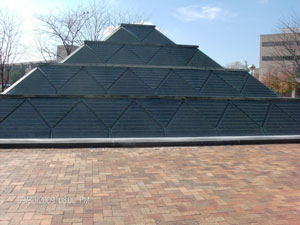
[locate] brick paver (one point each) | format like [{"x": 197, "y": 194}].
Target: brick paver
[{"x": 258, "y": 184}]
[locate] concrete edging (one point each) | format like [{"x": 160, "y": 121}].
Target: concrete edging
[{"x": 145, "y": 142}]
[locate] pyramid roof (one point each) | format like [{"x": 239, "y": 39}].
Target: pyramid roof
[{"x": 139, "y": 83}]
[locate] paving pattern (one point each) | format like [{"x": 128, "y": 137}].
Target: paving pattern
[{"x": 254, "y": 184}]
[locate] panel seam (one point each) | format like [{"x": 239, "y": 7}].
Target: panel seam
[
  {"x": 41, "y": 116},
  {"x": 140, "y": 79},
  {"x": 96, "y": 81},
  {"x": 122, "y": 113},
  {"x": 66, "y": 113},
  {"x": 283, "y": 111},
  {"x": 158, "y": 50},
  {"x": 109, "y": 58},
  {"x": 15, "y": 109},
  {"x": 244, "y": 85},
  {"x": 189, "y": 61},
  {"x": 247, "y": 115},
  {"x": 67, "y": 81},
  {"x": 45, "y": 76},
  {"x": 113, "y": 83},
  {"x": 176, "y": 111},
  {"x": 151, "y": 116},
  {"x": 222, "y": 117},
  {"x": 96, "y": 115},
  {"x": 227, "y": 83},
  {"x": 267, "y": 116},
  {"x": 162, "y": 81},
  {"x": 205, "y": 82},
  {"x": 185, "y": 81},
  {"x": 132, "y": 52}
]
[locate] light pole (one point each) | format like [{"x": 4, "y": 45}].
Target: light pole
[{"x": 252, "y": 68}]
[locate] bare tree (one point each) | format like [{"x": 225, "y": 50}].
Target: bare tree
[
  {"x": 286, "y": 50},
  {"x": 46, "y": 48},
  {"x": 10, "y": 46},
  {"x": 99, "y": 19},
  {"x": 72, "y": 27},
  {"x": 63, "y": 27},
  {"x": 238, "y": 65}
]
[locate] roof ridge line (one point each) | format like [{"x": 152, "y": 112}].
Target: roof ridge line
[
  {"x": 143, "y": 66},
  {"x": 139, "y": 43},
  {"x": 238, "y": 98},
  {"x": 132, "y": 24}
]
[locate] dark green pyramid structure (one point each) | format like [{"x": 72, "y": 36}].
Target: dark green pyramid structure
[{"x": 139, "y": 83}]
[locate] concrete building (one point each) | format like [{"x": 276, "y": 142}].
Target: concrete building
[
  {"x": 273, "y": 53},
  {"x": 274, "y": 56},
  {"x": 62, "y": 53}
]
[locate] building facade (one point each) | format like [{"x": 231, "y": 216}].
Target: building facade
[
  {"x": 62, "y": 53},
  {"x": 278, "y": 52}
]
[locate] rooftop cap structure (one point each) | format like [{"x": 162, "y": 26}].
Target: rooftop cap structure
[{"x": 139, "y": 83}]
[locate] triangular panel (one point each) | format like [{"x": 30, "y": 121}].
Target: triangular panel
[
  {"x": 215, "y": 86},
  {"x": 80, "y": 122},
  {"x": 257, "y": 110},
  {"x": 237, "y": 123},
  {"x": 53, "y": 109},
  {"x": 156, "y": 37},
  {"x": 144, "y": 52},
  {"x": 34, "y": 83},
  {"x": 135, "y": 122},
  {"x": 203, "y": 61},
  {"x": 25, "y": 122},
  {"x": 236, "y": 79},
  {"x": 195, "y": 78},
  {"x": 7, "y": 105},
  {"x": 83, "y": 55},
  {"x": 82, "y": 84},
  {"x": 255, "y": 88},
  {"x": 176, "y": 86},
  {"x": 181, "y": 55},
  {"x": 162, "y": 110},
  {"x": 106, "y": 76},
  {"x": 58, "y": 75},
  {"x": 125, "y": 56},
  {"x": 163, "y": 57},
  {"x": 141, "y": 32},
  {"x": 212, "y": 110},
  {"x": 152, "y": 77},
  {"x": 122, "y": 36},
  {"x": 189, "y": 123},
  {"x": 280, "y": 123},
  {"x": 292, "y": 108},
  {"x": 130, "y": 84},
  {"x": 108, "y": 110},
  {"x": 104, "y": 51}
]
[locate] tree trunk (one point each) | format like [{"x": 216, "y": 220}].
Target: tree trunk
[{"x": 2, "y": 79}]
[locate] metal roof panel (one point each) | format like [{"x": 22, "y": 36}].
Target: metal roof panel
[{"x": 80, "y": 123}]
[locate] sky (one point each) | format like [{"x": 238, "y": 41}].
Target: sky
[{"x": 225, "y": 30}]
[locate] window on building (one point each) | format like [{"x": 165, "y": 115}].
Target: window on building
[
  {"x": 278, "y": 43},
  {"x": 277, "y": 58}
]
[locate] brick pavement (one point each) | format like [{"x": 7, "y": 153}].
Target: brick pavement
[{"x": 258, "y": 184}]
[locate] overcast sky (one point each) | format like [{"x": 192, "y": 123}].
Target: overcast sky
[{"x": 226, "y": 30}]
